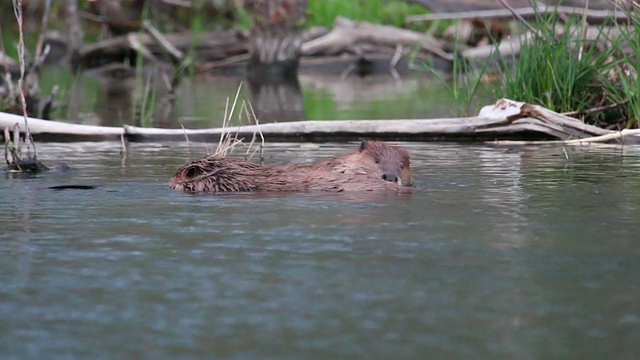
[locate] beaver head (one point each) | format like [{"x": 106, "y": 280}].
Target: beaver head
[
  {"x": 392, "y": 162},
  {"x": 375, "y": 159}
]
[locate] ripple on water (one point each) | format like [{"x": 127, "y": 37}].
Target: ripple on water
[{"x": 499, "y": 252}]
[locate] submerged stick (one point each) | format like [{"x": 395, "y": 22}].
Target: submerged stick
[{"x": 619, "y": 135}]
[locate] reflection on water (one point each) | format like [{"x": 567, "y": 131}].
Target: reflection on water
[
  {"x": 498, "y": 253},
  {"x": 200, "y": 101}
]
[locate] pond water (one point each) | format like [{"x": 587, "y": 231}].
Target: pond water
[
  {"x": 499, "y": 252},
  {"x": 201, "y": 100}
]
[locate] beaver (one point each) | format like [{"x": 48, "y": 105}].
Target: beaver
[
  {"x": 224, "y": 174},
  {"x": 375, "y": 159}
]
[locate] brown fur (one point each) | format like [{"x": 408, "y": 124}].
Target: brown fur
[
  {"x": 221, "y": 174},
  {"x": 376, "y": 159}
]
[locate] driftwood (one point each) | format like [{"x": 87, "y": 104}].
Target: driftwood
[
  {"x": 222, "y": 48},
  {"x": 506, "y": 119},
  {"x": 442, "y": 6},
  {"x": 61, "y": 131},
  {"x": 593, "y": 16},
  {"x": 212, "y": 46},
  {"x": 228, "y": 51},
  {"x": 346, "y": 33}
]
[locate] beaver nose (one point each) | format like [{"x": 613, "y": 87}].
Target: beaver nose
[{"x": 390, "y": 177}]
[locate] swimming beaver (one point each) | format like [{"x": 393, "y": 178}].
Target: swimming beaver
[
  {"x": 375, "y": 166},
  {"x": 376, "y": 159},
  {"x": 223, "y": 174}
]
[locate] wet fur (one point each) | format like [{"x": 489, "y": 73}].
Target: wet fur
[
  {"x": 223, "y": 174},
  {"x": 375, "y": 166}
]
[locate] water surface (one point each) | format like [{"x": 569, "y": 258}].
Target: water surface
[
  {"x": 498, "y": 253},
  {"x": 201, "y": 100}
]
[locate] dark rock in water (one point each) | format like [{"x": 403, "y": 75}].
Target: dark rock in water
[{"x": 31, "y": 166}]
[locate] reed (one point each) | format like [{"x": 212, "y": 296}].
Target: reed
[
  {"x": 623, "y": 84},
  {"x": 563, "y": 72},
  {"x": 229, "y": 140}
]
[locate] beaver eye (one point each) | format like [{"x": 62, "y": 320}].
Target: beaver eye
[{"x": 377, "y": 161}]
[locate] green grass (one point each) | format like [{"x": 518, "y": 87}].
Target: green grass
[
  {"x": 558, "y": 72},
  {"x": 626, "y": 86},
  {"x": 324, "y": 12}
]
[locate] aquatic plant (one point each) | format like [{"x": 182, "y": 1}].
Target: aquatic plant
[
  {"x": 559, "y": 70},
  {"x": 245, "y": 116},
  {"x": 623, "y": 84},
  {"x": 21, "y": 156}
]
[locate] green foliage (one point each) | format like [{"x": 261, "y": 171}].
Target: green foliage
[
  {"x": 324, "y": 12},
  {"x": 559, "y": 72},
  {"x": 146, "y": 104},
  {"x": 625, "y": 86}
]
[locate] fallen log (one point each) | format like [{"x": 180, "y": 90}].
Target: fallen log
[
  {"x": 61, "y": 131},
  {"x": 506, "y": 119}
]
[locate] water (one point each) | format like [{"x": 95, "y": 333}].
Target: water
[
  {"x": 201, "y": 100},
  {"x": 498, "y": 253}
]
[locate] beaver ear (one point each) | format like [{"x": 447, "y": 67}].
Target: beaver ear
[{"x": 363, "y": 145}]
